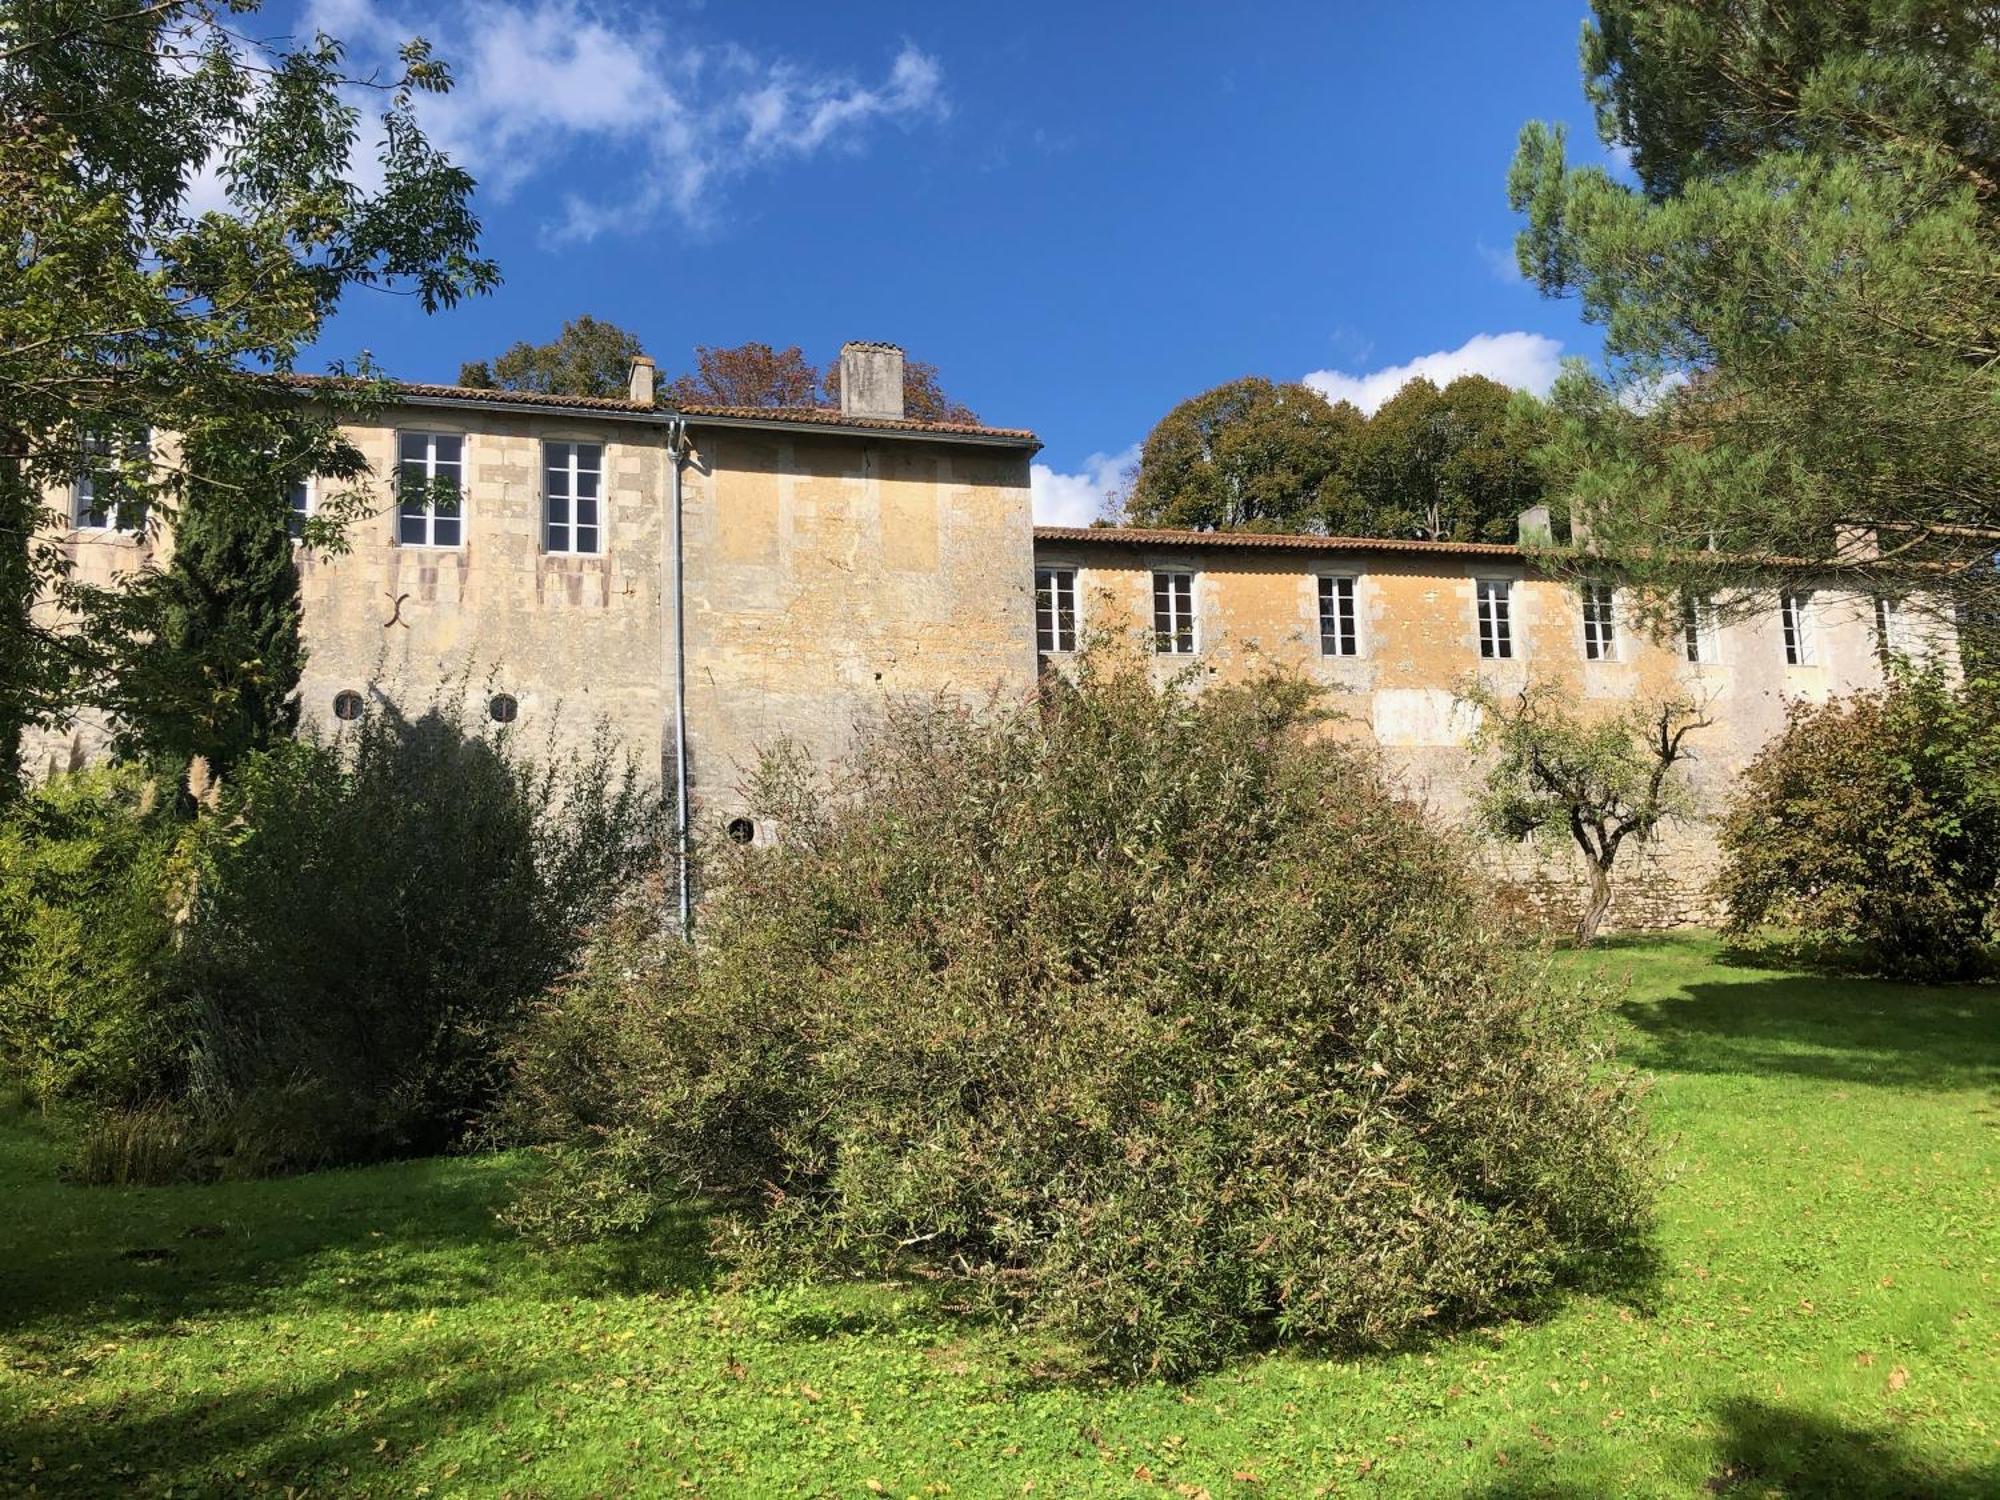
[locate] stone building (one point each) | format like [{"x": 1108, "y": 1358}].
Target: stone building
[
  {"x": 1393, "y": 628},
  {"x": 710, "y": 580}
]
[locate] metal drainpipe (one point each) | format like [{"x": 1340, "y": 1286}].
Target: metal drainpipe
[{"x": 677, "y": 457}]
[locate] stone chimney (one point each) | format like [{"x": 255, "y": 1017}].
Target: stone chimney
[
  {"x": 871, "y": 380},
  {"x": 1534, "y": 527},
  {"x": 640, "y": 384}
]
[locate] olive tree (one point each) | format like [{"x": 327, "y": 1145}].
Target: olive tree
[{"x": 1601, "y": 780}]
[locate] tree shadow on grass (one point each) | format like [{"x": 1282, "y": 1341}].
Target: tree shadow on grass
[
  {"x": 1786, "y": 1453},
  {"x": 1825, "y": 1027},
  {"x": 325, "y": 1436},
  {"x": 406, "y": 1237}
]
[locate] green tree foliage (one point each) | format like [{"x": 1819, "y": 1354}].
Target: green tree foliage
[
  {"x": 1455, "y": 464},
  {"x": 1597, "y": 780},
  {"x": 589, "y": 358},
  {"x": 203, "y": 657},
  {"x": 1804, "y": 283},
  {"x": 375, "y": 915},
  {"x": 1874, "y": 821},
  {"x": 1152, "y": 1015},
  {"x": 91, "y": 871},
  {"x": 124, "y": 308},
  {"x": 1252, "y": 455}
]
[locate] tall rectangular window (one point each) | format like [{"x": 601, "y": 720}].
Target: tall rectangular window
[
  {"x": 1889, "y": 638},
  {"x": 104, "y": 500},
  {"x": 1173, "y": 613},
  {"x": 1600, "y": 628},
  {"x": 298, "y": 506},
  {"x": 430, "y": 488},
  {"x": 571, "y": 476},
  {"x": 1794, "y": 610},
  {"x": 1055, "y": 609},
  {"x": 1337, "y": 635},
  {"x": 1496, "y": 618},
  {"x": 1697, "y": 628}
]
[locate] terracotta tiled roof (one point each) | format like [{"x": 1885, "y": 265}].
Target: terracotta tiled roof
[
  {"x": 1146, "y": 536},
  {"x": 803, "y": 416},
  {"x": 829, "y": 417},
  {"x": 475, "y": 395}
]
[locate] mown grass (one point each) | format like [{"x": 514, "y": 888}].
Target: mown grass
[{"x": 1822, "y": 1316}]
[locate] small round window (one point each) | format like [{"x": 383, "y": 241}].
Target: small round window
[
  {"x": 741, "y": 831},
  {"x": 503, "y": 708},
  {"x": 347, "y": 706}
]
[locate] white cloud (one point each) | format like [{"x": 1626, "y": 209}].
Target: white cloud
[
  {"x": 1501, "y": 261},
  {"x": 1641, "y": 395},
  {"x": 541, "y": 85},
  {"x": 1078, "y": 499},
  {"x": 1526, "y": 361}
]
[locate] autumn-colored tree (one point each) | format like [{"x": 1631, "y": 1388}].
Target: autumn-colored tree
[
  {"x": 589, "y": 358},
  {"x": 747, "y": 375},
  {"x": 1252, "y": 454},
  {"x": 758, "y": 375}
]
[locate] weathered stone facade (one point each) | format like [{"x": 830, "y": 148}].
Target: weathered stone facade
[
  {"x": 832, "y": 562},
  {"x": 1257, "y": 601}
]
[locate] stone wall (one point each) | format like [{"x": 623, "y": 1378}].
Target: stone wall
[
  {"x": 828, "y": 577},
  {"x": 1418, "y": 645}
]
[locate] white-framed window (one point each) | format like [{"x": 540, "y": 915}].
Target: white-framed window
[
  {"x": 1697, "y": 628},
  {"x": 1055, "y": 609},
  {"x": 1496, "y": 618},
  {"x": 102, "y": 501},
  {"x": 298, "y": 506},
  {"x": 430, "y": 486},
  {"x": 1600, "y": 622},
  {"x": 1892, "y": 634},
  {"x": 1795, "y": 620},
  {"x": 572, "y": 476},
  {"x": 1173, "y": 613},
  {"x": 1338, "y": 632}
]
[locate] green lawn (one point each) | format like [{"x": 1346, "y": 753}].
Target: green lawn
[{"x": 1823, "y": 1318}]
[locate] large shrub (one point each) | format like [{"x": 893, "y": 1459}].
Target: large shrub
[
  {"x": 1874, "y": 822},
  {"x": 90, "y": 875},
  {"x": 374, "y": 916},
  {"x": 1154, "y": 1017}
]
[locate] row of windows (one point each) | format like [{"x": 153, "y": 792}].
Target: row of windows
[
  {"x": 430, "y": 478},
  {"x": 1174, "y": 632}
]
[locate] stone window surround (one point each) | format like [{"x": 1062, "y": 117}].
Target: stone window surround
[
  {"x": 1598, "y": 602},
  {"x": 465, "y": 452},
  {"x": 1482, "y": 583},
  {"x": 1796, "y": 627},
  {"x": 543, "y": 442},
  {"x": 1359, "y": 636},
  {"x": 1154, "y": 573},
  {"x": 1075, "y": 608}
]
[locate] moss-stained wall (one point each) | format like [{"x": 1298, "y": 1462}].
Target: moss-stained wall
[{"x": 828, "y": 576}]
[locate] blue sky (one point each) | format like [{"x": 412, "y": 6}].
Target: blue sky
[{"x": 1082, "y": 213}]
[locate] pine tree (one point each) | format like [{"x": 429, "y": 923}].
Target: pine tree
[{"x": 208, "y": 660}]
